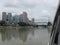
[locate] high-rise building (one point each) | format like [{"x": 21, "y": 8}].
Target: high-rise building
[
  {"x": 25, "y": 14},
  {"x": 23, "y": 17},
  {"x": 20, "y": 18},
  {"x": 4, "y": 16},
  {"x": 33, "y": 20},
  {"x": 16, "y": 18},
  {"x": 9, "y": 18}
]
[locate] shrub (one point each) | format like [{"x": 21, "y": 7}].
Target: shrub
[{"x": 49, "y": 23}]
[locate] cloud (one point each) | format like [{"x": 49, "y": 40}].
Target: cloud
[
  {"x": 35, "y": 8},
  {"x": 10, "y": 5},
  {"x": 23, "y": 3},
  {"x": 30, "y": 3}
]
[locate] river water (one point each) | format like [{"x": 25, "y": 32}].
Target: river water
[{"x": 24, "y": 36}]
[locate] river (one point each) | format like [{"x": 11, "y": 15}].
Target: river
[{"x": 24, "y": 36}]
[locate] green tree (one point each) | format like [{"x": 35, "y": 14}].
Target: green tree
[
  {"x": 49, "y": 23},
  {"x": 2, "y": 23},
  {"x": 23, "y": 24}
]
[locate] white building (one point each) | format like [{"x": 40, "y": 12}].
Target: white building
[
  {"x": 4, "y": 16},
  {"x": 23, "y": 17}
]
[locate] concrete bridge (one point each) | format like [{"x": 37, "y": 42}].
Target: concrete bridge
[{"x": 41, "y": 23}]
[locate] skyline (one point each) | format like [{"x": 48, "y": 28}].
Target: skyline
[
  {"x": 34, "y": 8},
  {"x": 9, "y": 13}
]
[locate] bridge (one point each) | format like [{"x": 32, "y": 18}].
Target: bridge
[{"x": 41, "y": 23}]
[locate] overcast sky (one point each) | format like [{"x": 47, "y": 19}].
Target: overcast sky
[{"x": 35, "y": 8}]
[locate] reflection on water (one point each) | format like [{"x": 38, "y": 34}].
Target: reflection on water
[
  {"x": 9, "y": 33},
  {"x": 31, "y": 36}
]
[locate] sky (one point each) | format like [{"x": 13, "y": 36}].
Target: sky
[{"x": 35, "y": 8}]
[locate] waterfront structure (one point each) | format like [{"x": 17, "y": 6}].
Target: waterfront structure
[
  {"x": 16, "y": 19},
  {"x": 23, "y": 17},
  {"x": 33, "y": 21},
  {"x": 41, "y": 21},
  {"x": 9, "y": 17},
  {"x": 4, "y": 16}
]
